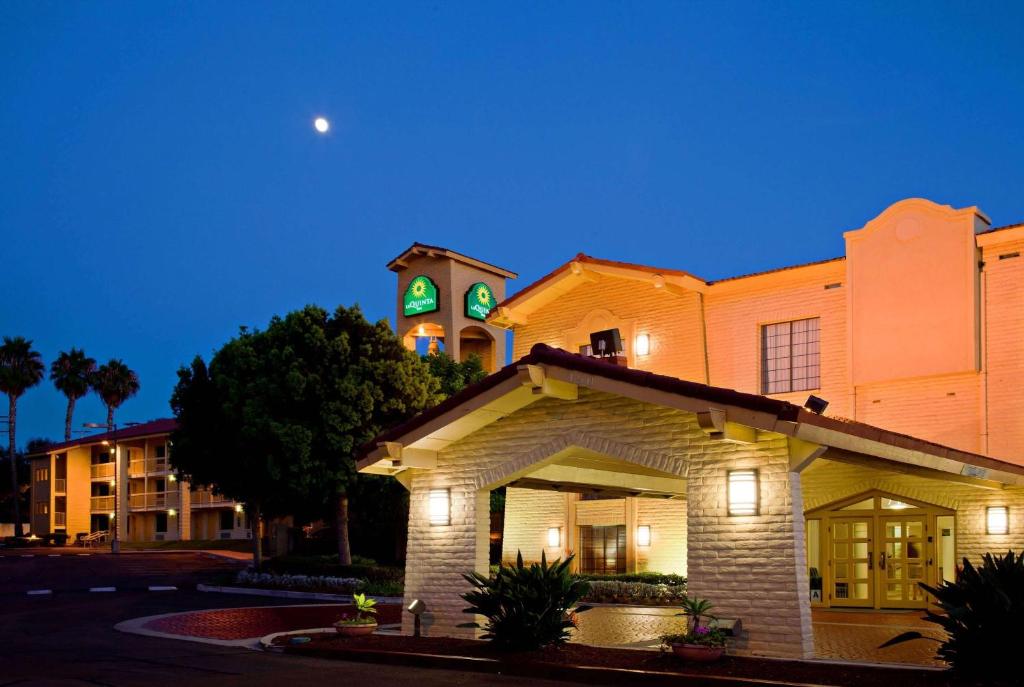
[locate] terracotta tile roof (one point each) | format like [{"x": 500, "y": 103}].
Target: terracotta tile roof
[
  {"x": 396, "y": 265},
  {"x": 144, "y": 429},
  {"x": 783, "y": 410},
  {"x": 778, "y": 269}
]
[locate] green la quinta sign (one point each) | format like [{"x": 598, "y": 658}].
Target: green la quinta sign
[
  {"x": 420, "y": 296},
  {"x": 479, "y": 301}
]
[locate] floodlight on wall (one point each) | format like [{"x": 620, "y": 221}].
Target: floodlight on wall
[
  {"x": 743, "y": 492},
  {"x": 554, "y": 536},
  {"x": 440, "y": 507},
  {"x": 642, "y": 345},
  {"x": 997, "y": 520},
  {"x": 815, "y": 405},
  {"x": 417, "y": 608},
  {"x": 643, "y": 535}
]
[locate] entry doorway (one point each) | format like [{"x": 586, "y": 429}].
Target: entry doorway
[{"x": 874, "y": 550}]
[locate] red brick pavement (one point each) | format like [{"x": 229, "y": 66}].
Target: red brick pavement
[{"x": 246, "y": 623}]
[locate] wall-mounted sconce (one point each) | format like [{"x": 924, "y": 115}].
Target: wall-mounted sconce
[
  {"x": 743, "y": 492},
  {"x": 171, "y": 512},
  {"x": 643, "y": 535},
  {"x": 642, "y": 345},
  {"x": 172, "y": 478},
  {"x": 238, "y": 508},
  {"x": 997, "y": 520},
  {"x": 554, "y": 536},
  {"x": 440, "y": 507}
]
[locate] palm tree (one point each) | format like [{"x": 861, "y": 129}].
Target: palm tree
[
  {"x": 21, "y": 368},
  {"x": 71, "y": 373},
  {"x": 114, "y": 383}
]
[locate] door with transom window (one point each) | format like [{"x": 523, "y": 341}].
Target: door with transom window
[{"x": 876, "y": 549}]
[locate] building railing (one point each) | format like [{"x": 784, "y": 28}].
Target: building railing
[
  {"x": 60, "y": 519},
  {"x": 149, "y": 465},
  {"x": 60, "y": 486},
  {"x": 102, "y": 503},
  {"x": 100, "y": 470},
  {"x": 207, "y": 499},
  {"x": 154, "y": 500}
]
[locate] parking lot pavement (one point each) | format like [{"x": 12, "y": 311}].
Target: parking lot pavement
[
  {"x": 68, "y": 638},
  {"x": 42, "y": 572}
]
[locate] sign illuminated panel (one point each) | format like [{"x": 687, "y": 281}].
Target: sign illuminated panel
[
  {"x": 420, "y": 297},
  {"x": 479, "y": 301}
]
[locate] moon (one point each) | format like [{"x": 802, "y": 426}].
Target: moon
[{"x": 321, "y": 125}]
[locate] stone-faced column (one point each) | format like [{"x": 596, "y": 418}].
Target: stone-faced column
[
  {"x": 438, "y": 554},
  {"x": 751, "y": 567}
]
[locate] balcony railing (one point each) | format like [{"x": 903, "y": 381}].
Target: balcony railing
[
  {"x": 60, "y": 486},
  {"x": 60, "y": 519},
  {"x": 102, "y": 503},
  {"x": 207, "y": 499},
  {"x": 154, "y": 500},
  {"x": 150, "y": 465},
  {"x": 100, "y": 470}
]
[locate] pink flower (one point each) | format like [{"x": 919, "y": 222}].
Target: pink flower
[{"x": 701, "y": 630}]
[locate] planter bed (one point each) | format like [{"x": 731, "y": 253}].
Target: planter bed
[{"x": 582, "y": 663}]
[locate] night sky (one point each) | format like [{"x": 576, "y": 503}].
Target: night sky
[{"x": 161, "y": 182}]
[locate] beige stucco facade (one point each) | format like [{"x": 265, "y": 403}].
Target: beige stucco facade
[{"x": 917, "y": 335}]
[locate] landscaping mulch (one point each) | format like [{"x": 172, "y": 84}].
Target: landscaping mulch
[{"x": 585, "y": 663}]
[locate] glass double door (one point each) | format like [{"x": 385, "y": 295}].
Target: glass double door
[{"x": 878, "y": 561}]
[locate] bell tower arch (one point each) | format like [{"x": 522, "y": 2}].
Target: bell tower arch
[{"x": 444, "y": 297}]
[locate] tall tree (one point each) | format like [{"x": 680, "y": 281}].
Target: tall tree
[
  {"x": 455, "y": 376},
  {"x": 114, "y": 383},
  {"x": 21, "y": 368},
  {"x": 276, "y": 418},
  {"x": 72, "y": 373}
]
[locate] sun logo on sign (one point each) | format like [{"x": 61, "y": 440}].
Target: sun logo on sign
[
  {"x": 419, "y": 288},
  {"x": 483, "y": 295}
]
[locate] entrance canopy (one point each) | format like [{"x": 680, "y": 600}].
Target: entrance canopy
[{"x": 722, "y": 413}]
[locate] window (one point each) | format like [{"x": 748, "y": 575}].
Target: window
[
  {"x": 42, "y": 508},
  {"x": 161, "y": 522},
  {"x": 227, "y": 520},
  {"x": 603, "y": 549},
  {"x": 161, "y": 450},
  {"x": 42, "y": 474},
  {"x": 789, "y": 356}
]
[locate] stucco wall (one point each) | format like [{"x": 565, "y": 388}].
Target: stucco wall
[
  {"x": 751, "y": 567},
  {"x": 638, "y": 308}
]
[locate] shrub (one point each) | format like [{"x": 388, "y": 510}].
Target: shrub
[
  {"x": 668, "y": 579},
  {"x": 364, "y": 612},
  {"x": 983, "y": 612},
  {"x": 613, "y": 591},
  {"x": 527, "y": 607},
  {"x": 329, "y": 566},
  {"x": 299, "y": 582}
]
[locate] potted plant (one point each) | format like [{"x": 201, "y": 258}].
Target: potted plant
[
  {"x": 703, "y": 641},
  {"x": 363, "y": 622}
]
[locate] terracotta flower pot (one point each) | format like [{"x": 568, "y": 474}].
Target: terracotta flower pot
[
  {"x": 698, "y": 653},
  {"x": 356, "y": 630}
]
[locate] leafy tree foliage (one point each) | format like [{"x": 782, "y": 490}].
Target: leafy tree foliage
[
  {"x": 71, "y": 373},
  {"x": 455, "y": 376},
  {"x": 275, "y": 419},
  {"x": 114, "y": 383},
  {"x": 21, "y": 368}
]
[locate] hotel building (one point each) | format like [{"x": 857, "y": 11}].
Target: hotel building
[
  {"x": 75, "y": 485},
  {"x": 689, "y": 449}
]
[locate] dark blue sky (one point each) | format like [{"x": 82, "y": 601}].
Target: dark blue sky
[{"x": 161, "y": 183}]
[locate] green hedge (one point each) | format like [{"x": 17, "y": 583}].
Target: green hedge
[
  {"x": 328, "y": 566},
  {"x": 669, "y": 579}
]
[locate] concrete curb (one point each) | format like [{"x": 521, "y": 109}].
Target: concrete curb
[{"x": 285, "y": 594}]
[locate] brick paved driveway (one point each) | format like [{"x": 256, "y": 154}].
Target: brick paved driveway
[
  {"x": 838, "y": 635},
  {"x": 246, "y": 623}
]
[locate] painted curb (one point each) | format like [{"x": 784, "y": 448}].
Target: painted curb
[{"x": 285, "y": 594}]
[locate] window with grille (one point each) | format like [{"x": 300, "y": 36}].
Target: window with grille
[
  {"x": 603, "y": 549},
  {"x": 790, "y": 359}
]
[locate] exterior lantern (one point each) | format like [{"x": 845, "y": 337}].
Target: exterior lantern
[
  {"x": 743, "y": 492},
  {"x": 554, "y": 536},
  {"x": 997, "y": 520},
  {"x": 440, "y": 507},
  {"x": 642, "y": 345},
  {"x": 643, "y": 535},
  {"x": 171, "y": 512}
]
